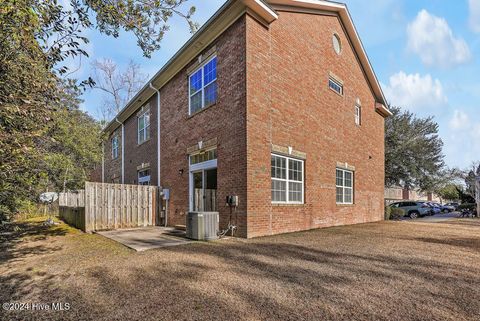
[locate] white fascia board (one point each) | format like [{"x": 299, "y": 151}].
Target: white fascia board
[{"x": 262, "y": 9}]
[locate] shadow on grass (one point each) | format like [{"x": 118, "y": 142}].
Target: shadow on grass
[
  {"x": 468, "y": 243},
  {"x": 267, "y": 279},
  {"x": 14, "y": 243},
  {"x": 473, "y": 222}
]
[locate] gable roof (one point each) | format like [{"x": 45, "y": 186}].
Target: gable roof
[
  {"x": 224, "y": 18},
  {"x": 342, "y": 11}
]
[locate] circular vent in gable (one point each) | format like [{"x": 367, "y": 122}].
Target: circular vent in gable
[{"x": 337, "y": 44}]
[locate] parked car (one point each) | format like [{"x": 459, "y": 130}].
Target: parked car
[
  {"x": 450, "y": 207},
  {"x": 436, "y": 208},
  {"x": 413, "y": 209}
]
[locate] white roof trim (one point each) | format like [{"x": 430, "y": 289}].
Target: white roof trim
[
  {"x": 344, "y": 15},
  {"x": 266, "y": 12},
  {"x": 262, "y": 9}
]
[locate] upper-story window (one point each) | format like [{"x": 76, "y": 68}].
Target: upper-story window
[
  {"x": 115, "y": 147},
  {"x": 335, "y": 85},
  {"x": 203, "y": 86},
  {"x": 144, "y": 126}
]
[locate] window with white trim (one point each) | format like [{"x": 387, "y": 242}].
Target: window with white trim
[
  {"x": 344, "y": 184},
  {"x": 358, "y": 115},
  {"x": 115, "y": 147},
  {"x": 144, "y": 127},
  {"x": 204, "y": 156},
  {"x": 144, "y": 177},
  {"x": 287, "y": 180},
  {"x": 203, "y": 86},
  {"x": 335, "y": 85}
]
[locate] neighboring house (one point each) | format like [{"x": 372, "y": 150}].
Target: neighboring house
[
  {"x": 394, "y": 194},
  {"x": 272, "y": 101}
]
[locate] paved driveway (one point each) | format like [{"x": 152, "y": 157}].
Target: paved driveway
[
  {"x": 147, "y": 238},
  {"x": 439, "y": 217}
]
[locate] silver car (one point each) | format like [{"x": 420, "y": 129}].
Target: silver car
[{"x": 413, "y": 209}]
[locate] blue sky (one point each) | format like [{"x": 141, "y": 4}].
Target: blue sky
[{"x": 423, "y": 51}]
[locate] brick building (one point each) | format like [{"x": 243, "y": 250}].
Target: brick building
[{"x": 272, "y": 101}]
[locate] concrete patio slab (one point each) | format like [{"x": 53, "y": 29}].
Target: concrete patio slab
[{"x": 147, "y": 238}]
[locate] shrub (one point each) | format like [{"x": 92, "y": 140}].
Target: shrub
[
  {"x": 388, "y": 212},
  {"x": 397, "y": 213},
  {"x": 26, "y": 209}
]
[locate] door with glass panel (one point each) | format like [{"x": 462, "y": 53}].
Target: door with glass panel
[
  {"x": 204, "y": 191},
  {"x": 203, "y": 182},
  {"x": 197, "y": 178}
]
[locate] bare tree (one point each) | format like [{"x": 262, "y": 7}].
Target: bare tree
[{"x": 118, "y": 86}]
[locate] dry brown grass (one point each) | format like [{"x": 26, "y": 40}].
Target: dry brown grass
[{"x": 381, "y": 271}]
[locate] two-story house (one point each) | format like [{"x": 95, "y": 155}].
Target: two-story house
[{"x": 273, "y": 101}]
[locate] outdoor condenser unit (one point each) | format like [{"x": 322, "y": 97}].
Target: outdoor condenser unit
[{"x": 202, "y": 226}]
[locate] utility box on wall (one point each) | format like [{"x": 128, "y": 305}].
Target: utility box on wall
[{"x": 202, "y": 226}]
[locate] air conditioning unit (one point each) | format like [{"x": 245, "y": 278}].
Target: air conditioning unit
[{"x": 202, "y": 226}]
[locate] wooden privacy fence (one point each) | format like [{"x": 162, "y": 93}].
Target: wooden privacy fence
[
  {"x": 205, "y": 200},
  {"x": 109, "y": 206}
]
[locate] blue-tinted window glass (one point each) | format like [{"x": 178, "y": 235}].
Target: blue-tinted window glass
[
  {"x": 211, "y": 94},
  {"x": 195, "y": 82},
  {"x": 196, "y": 102},
  {"x": 210, "y": 71}
]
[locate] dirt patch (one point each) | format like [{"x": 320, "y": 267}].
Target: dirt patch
[{"x": 380, "y": 271}]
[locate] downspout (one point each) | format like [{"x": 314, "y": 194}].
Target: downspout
[
  {"x": 158, "y": 133},
  {"x": 158, "y": 147},
  {"x": 123, "y": 150}
]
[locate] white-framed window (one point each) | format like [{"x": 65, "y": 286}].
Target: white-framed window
[
  {"x": 287, "y": 180},
  {"x": 203, "y": 86},
  {"x": 144, "y": 177},
  {"x": 344, "y": 184},
  {"x": 335, "y": 85},
  {"x": 115, "y": 147},
  {"x": 358, "y": 115},
  {"x": 144, "y": 127},
  {"x": 204, "y": 156}
]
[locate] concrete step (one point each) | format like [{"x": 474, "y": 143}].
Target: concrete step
[{"x": 181, "y": 227}]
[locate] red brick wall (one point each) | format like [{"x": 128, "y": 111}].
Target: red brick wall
[
  {"x": 272, "y": 89},
  {"x": 113, "y": 167},
  {"x": 135, "y": 154},
  {"x": 289, "y": 103},
  {"x": 224, "y": 121}
]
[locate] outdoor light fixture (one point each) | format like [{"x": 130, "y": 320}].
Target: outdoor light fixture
[{"x": 180, "y": 171}]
